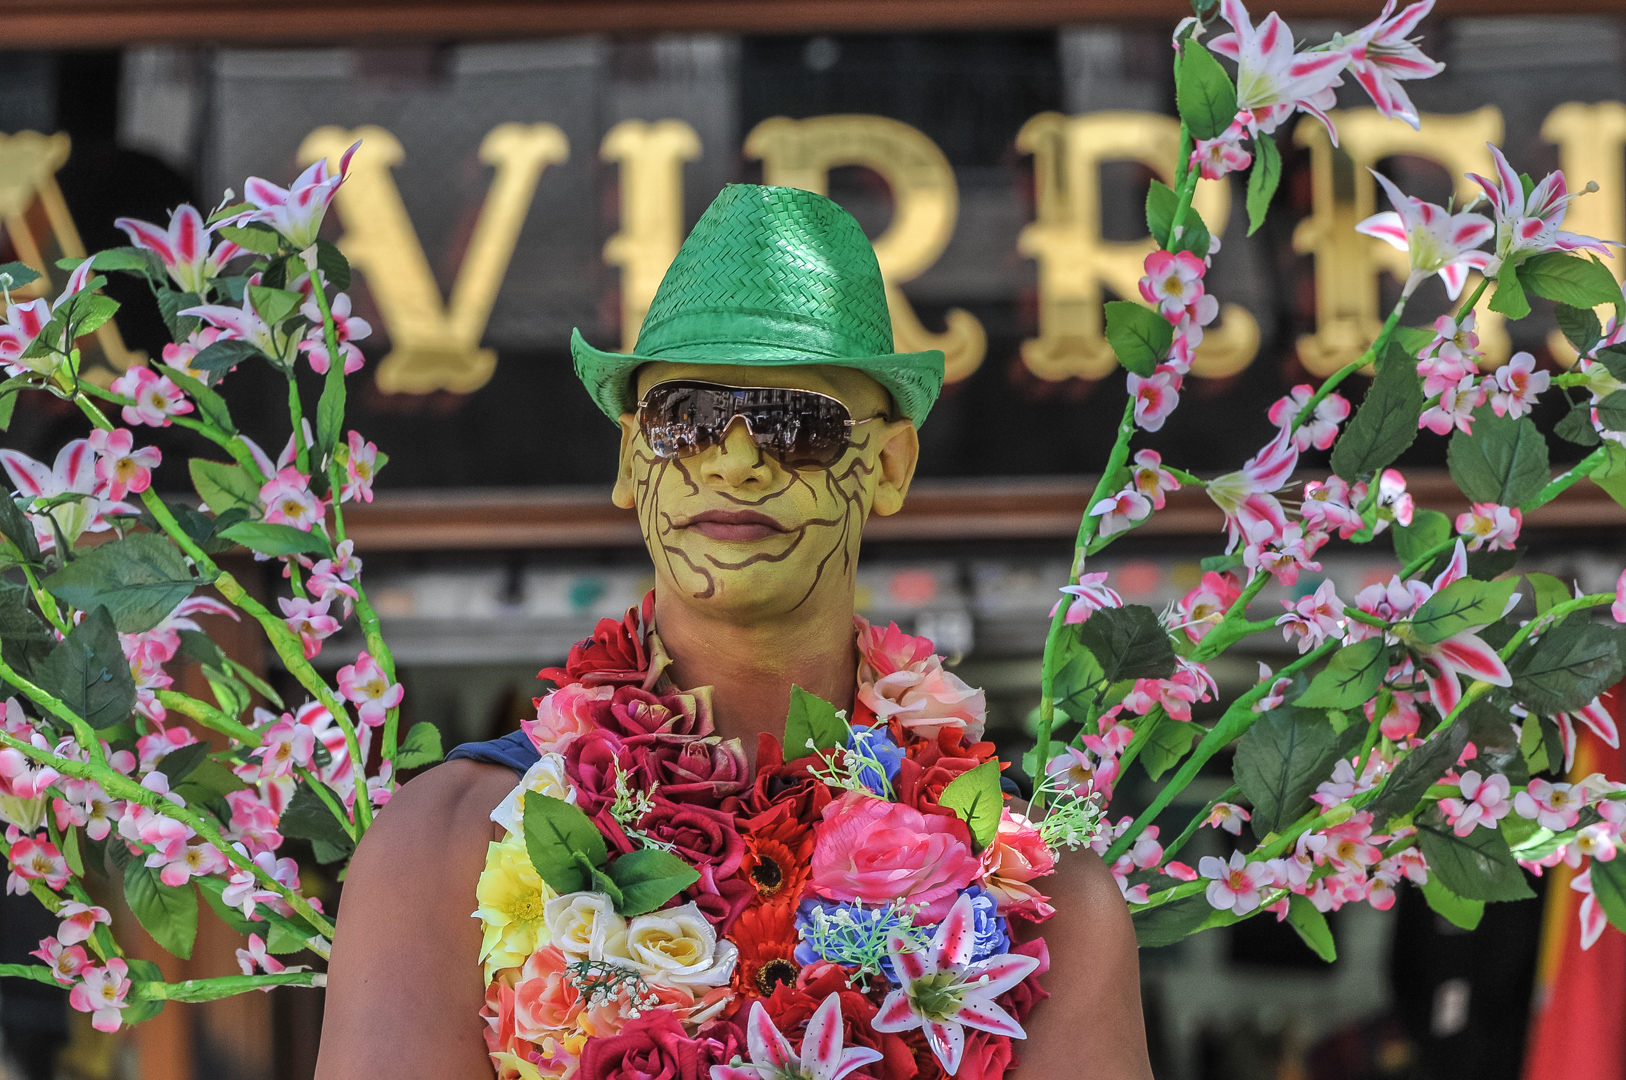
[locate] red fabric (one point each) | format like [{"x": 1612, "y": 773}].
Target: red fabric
[{"x": 1578, "y": 1016}]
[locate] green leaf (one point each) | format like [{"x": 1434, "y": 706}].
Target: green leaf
[
  {"x": 139, "y": 580},
  {"x": 169, "y": 913},
  {"x": 1451, "y": 907},
  {"x": 224, "y": 487},
  {"x": 1194, "y": 236},
  {"x": 421, "y": 747},
  {"x": 1169, "y": 741},
  {"x": 1612, "y": 411},
  {"x": 1576, "y": 427},
  {"x": 274, "y": 305},
  {"x": 277, "y": 539},
  {"x": 1139, "y": 336},
  {"x": 647, "y": 879},
  {"x": 1568, "y": 665},
  {"x": 1078, "y": 682},
  {"x": 1569, "y": 279},
  {"x": 131, "y": 260},
  {"x": 1385, "y": 424},
  {"x": 1350, "y": 678},
  {"x": 1417, "y": 772},
  {"x": 1128, "y": 642},
  {"x": 209, "y": 782},
  {"x": 211, "y": 887},
  {"x": 1204, "y": 95},
  {"x": 330, "y": 412},
  {"x": 307, "y": 817},
  {"x": 333, "y": 265},
  {"x": 812, "y": 724},
  {"x": 260, "y": 239},
  {"x": 25, "y": 638},
  {"x": 1161, "y": 203},
  {"x": 210, "y": 404},
  {"x": 1312, "y": 928},
  {"x": 1461, "y": 606},
  {"x": 1533, "y": 746},
  {"x": 1609, "y": 886},
  {"x": 1478, "y": 866},
  {"x": 89, "y": 673},
  {"x": 230, "y": 693},
  {"x": 178, "y": 764},
  {"x": 1427, "y": 531},
  {"x": 170, "y": 306},
  {"x": 21, "y": 274},
  {"x": 1504, "y": 461},
  {"x": 1413, "y": 339},
  {"x": 222, "y": 356},
  {"x": 1580, "y": 326},
  {"x": 14, "y": 526},
  {"x": 555, "y": 834},
  {"x": 1279, "y": 763},
  {"x": 1218, "y": 564},
  {"x": 1263, "y": 180},
  {"x": 1549, "y": 591},
  {"x": 976, "y": 797},
  {"x": 1171, "y": 922},
  {"x": 90, "y": 313},
  {"x": 198, "y": 647},
  {"x": 1509, "y": 298}
]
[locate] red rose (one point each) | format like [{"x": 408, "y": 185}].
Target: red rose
[
  {"x": 591, "y": 763},
  {"x": 654, "y": 1047},
  {"x": 632, "y": 711},
  {"x": 700, "y": 836},
  {"x": 1020, "y": 999},
  {"x": 781, "y": 783},
  {"x": 791, "y": 1007},
  {"x": 704, "y": 771},
  {"x": 986, "y": 1056},
  {"x": 614, "y": 656}
]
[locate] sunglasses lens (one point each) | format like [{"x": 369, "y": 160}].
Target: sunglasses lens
[{"x": 800, "y": 428}]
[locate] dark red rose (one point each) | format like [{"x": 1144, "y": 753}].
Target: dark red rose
[
  {"x": 791, "y": 1007},
  {"x": 591, "y": 763},
  {"x": 779, "y": 783},
  {"x": 986, "y": 1056},
  {"x": 632, "y": 711},
  {"x": 720, "y": 900},
  {"x": 616, "y": 654},
  {"x": 654, "y": 1047},
  {"x": 700, "y": 836},
  {"x": 1020, "y": 999},
  {"x": 704, "y": 771}
]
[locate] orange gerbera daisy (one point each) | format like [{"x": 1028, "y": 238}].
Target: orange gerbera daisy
[
  {"x": 766, "y": 938},
  {"x": 778, "y": 858}
]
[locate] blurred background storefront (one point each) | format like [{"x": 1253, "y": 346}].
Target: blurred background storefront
[{"x": 529, "y": 168}]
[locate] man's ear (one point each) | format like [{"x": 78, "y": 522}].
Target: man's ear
[
  {"x": 898, "y": 456},
  {"x": 622, "y": 494}
]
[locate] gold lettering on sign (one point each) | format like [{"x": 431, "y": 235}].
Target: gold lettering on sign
[
  {"x": 926, "y": 201},
  {"x": 434, "y": 345},
  {"x": 34, "y": 216},
  {"x": 1343, "y": 194},
  {"x": 651, "y": 157},
  {"x": 1590, "y": 139},
  {"x": 1076, "y": 264}
]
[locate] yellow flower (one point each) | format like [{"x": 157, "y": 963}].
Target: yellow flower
[
  {"x": 513, "y": 1067},
  {"x": 512, "y": 897}
]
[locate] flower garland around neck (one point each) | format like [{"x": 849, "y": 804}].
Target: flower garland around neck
[{"x": 656, "y": 910}]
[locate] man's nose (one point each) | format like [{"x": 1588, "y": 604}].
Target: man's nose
[{"x": 736, "y": 462}]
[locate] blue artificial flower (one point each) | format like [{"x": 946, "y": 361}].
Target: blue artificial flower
[
  {"x": 993, "y": 932},
  {"x": 878, "y": 757},
  {"x": 853, "y": 935}
]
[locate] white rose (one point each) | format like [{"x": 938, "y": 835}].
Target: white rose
[
  {"x": 546, "y": 777},
  {"x": 585, "y": 926},
  {"x": 679, "y": 946}
]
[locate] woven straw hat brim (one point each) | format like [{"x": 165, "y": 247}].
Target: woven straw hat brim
[{"x": 913, "y": 379}]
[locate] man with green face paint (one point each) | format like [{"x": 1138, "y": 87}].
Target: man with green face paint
[{"x": 764, "y": 417}]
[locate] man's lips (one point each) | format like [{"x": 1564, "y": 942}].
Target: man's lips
[{"x": 738, "y": 525}]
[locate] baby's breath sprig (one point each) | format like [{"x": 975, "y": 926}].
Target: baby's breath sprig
[
  {"x": 631, "y": 807},
  {"x": 1071, "y": 820},
  {"x": 847, "y": 767},
  {"x": 856, "y": 937},
  {"x": 604, "y": 983}
]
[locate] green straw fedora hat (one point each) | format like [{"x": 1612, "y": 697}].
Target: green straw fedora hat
[{"x": 770, "y": 277}]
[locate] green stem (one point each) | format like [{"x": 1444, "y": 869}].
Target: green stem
[
  {"x": 209, "y": 716},
  {"x": 1367, "y": 357},
  {"x": 1149, "y": 725},
  {"x": 37, "y": 972},
  {"x": 1473, "y": 297},
  {"x": 1565, "y": 480},
  {"x": 226, "y": 986},
  {"x": 297, "y": 415},
  {"x": 46, "y": 602}
]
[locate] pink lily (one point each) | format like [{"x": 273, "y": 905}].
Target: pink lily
[
  {"x": 1489, "y": 526},
  {"x": 310, "y": 620},
  {"x": 296, "y": 211},
  {"x": 1156, "y": 396},
  {"x": 1234, "y": 886},
  {"x": 943, "y": 992},
  {"x": 155, "y": 398},
  {"x": 822, "y": 1056},
  {"x": 101, "y": 992},
  {"x": 1271, "y": 79},
  {"x": 349, "y": 328},
  {"x": 183, "y": 248},
  {"x": 360, "y": 465},
  {"x": 1595, "y": 716},
  {"x": 23, "y": 324},
  {"x": 1322, "y": 428},
  {"x": 1517, "y": 384},
  {"x": 365, "y": 684},
  {"x": 1438, "y": 241},
  {"x": 1245, "y": 496},
  {"x": 1381, "y": 57},
  {"x": 121, "y": 467},
  {"x": 1089, "y": 596},
  {"x": 1530, "y": 223}
]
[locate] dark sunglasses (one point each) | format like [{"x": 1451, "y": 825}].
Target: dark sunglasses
[{"x": 802, "y": 428}]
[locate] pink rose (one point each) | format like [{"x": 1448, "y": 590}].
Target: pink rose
[
  {"x": 655, "y": 1047},
  {"x": 632, "y": 711},
  {"x": 691, "y": 769},
  {"x": 1015, "y": 858},
  {"x": 545, "y": 1000},
  {"x": 899, "y": 677},
  {"x": 873, "y": 851},
  {"x": 564, "y": 716}
]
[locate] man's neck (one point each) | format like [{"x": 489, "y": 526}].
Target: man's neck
[{"x": 751, "y": 668}]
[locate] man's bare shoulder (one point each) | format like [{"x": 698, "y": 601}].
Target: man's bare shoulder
[{"x": 451, "y": 802}]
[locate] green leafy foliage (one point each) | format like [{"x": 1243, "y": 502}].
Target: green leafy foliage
[
  {"x": 88, "y": 671},
  {"x": 212, "y": 887},
  {"x": 1452, "y": 908},
  {"x": 1504, "y": 461},
  {"x": 1161, "y": 203},
  {"x": 1428, "y": 530},
  {"x": 1312, "y": 928},
  {"x": 1580, "y": 326},
  {"x": 1171, "y": 922},
  {"x": 555, "y": 833},
  {"x": 210, "y": 404},
  {"x": 25, "y": 639},
  {"x": 307, "y": 817},
  {"x": 1263, "y": 180},
  {"x": 333, "y": 265},
  {"x": 1169, "y": 741},
  {"x": 1206, "y": 98},
  {"x": 1576, "y": 427},
  {"x": 812, "y": 724},
  {"x": 1611, "y": 475},
  {"x": 1568, "y": 665},
  {"x": 1385, "y": 424},
  {"x": 274, "y": 305},
  {"x": 1478, "y": 866},
  {"x": 257, "y": 238},
  {"x": 1569, "y": 279},
  {"x": 1549, "y": 591},
  {"x": 168, "y": 912},
  {"x": 1612, "y": 411},
  {"x": 647, "y": 879},
  {"x": 1350, "y": 678},
  {"x": 222, "y": 356},
  {"x": 1139, "y": 336},
  {"x": 1280, "y": 761},
  {"x": 225, "y": 487},
  {"x": 976, "y": 797},
  {"x": 1609, "y": 886},
  {"x": 1461, "y": 606},
  {"x": 170, "y": 306},
  {"x": 14, "y": 527},
  {"x": 1417, "y": 772},
  {"x": 1128, "y": 643},
  {"x": 1509, "y": 298},
  {"x": 178, "y": 764},
  {"x": 277, "y": 539},
  {"x": 20, "y": 275},
  {"x": 139, "y": 580},
  {"x": 420, "y": 747}
]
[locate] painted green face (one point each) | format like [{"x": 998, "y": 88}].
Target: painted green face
[{"x": 738, "y": 531}]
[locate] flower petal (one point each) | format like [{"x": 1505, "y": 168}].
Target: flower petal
[
  {"x": 896, "y": 1014},
  {"x": 947, "y": 1041},
  {"x": 982, "y": 1013}
]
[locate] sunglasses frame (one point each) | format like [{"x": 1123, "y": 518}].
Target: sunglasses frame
[{"x": 849, "y": 423}]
